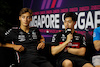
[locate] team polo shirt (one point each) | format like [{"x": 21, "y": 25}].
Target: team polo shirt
[
  {"x": 77, "y": 42},
  {"x": 28, "y": 40},
  {"x": 96, "y": 36}
]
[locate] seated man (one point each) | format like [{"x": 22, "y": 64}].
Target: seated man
[
  {"x": 96, "y": 41},
  {"x": 68, "y": 46},
  {"x": 27, "y": 41}
]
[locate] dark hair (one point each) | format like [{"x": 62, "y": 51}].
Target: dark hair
[
  {"x": 2, "y": 35},
  {"x": 71, "y": 14},
  {"x": 24, "y": 10}
]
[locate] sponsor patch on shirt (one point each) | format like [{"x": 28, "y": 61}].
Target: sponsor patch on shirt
[
  {"x": 8, "y": 32},
  {"x": 21, "y": 38},
  {"x": 76, "y": 37},
  {"x": 34, "y": 35},
  {"x": 63, "y": 37},
  {"x": 53, "y": 38}
]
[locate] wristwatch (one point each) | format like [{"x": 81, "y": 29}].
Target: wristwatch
[{"x": 43, "y": 41}]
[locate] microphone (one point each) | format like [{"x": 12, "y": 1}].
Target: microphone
[{"x": 67, "y": 31}]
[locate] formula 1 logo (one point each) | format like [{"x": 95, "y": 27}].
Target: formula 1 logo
[{"x": 46, "y": 4}]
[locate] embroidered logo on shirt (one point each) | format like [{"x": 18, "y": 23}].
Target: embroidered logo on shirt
[
  {"x": 21, "y": 36},
  {"x": 63, "y": 37},
  {"x": 34, "y": 34},
  {"x": 8, "y": 32},
  {"x": 21, "y": 32},
  {"x": 84, "y": 42},
  {"x": 76, "y": 37},
  {"x": 53, "y": 38}
]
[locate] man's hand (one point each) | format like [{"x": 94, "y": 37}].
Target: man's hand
[
  {"x": 69, "y": 37},
  {"x": 18, "y": 48},
  {"x": 41, "y": 45}
]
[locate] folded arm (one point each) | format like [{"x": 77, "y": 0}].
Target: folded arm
[
  {"x": 56, "y": 49},
  {"x": 77, "y": 51}
]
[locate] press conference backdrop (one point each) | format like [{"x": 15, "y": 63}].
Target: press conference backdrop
[{"x": 48, "y": 16}]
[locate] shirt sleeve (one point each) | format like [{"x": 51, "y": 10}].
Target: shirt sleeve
[
  {"x": 9, "y": 36},
  {"x": 96, "y": 35}
]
